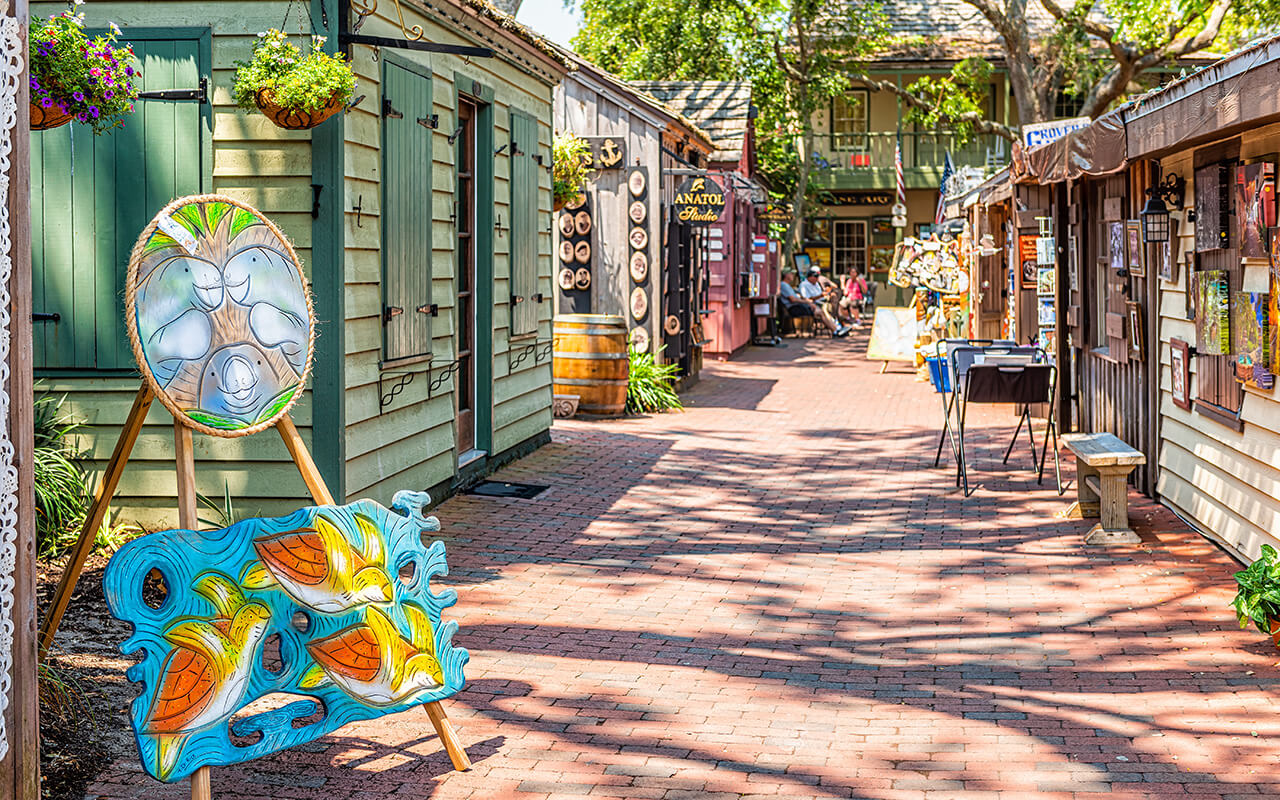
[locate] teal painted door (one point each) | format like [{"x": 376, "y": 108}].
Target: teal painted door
[
  {"x": 406, "y": 212},
  {"x": 90, "y": 198},
  {"x": 524, "y": 224}
]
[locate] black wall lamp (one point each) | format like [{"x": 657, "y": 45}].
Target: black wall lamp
[{"x": 1155, "y": 214}]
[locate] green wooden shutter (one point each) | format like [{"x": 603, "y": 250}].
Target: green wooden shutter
[
  {"x": 406, "y": 213},
  {"x": 524, "y": 224},
  {"x": 90, "y": 198}
]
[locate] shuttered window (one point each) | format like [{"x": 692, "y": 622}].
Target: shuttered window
[
  {"x": 524, "y": 224},
  {"x": 90, "y": 198},
  {"x": 406, "y": 212}
]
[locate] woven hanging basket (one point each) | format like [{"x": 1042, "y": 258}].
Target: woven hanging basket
[
  {"x": 294, "y": 119},
  {"x": 42, "y": 119}
]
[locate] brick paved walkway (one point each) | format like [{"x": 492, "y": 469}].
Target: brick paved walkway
[{"x": 774, "y": 594}]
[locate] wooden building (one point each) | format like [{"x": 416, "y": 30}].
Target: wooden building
[
  {"x": 433, "y": 351},
  {"x": 640, "y": 151},
  {"x": 725, "y": 112}
]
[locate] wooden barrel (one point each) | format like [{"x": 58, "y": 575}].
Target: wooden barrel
[{"x": 590, "y": 360}]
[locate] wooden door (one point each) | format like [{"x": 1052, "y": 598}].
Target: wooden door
[
  {"x": 92, "y": 195},
  {"x": 464, "y": 393}
]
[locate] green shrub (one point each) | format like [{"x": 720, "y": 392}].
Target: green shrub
[
  {"x": 295, "y": 82},
  {"x": 650, "y": 385},
  {"x": 62, "y": 494},
  {"x": 570, "y": 167},
  {"x": 1258, "y": 591}
]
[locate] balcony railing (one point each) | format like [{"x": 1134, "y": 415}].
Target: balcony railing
[{"x": 919, "y": 149}]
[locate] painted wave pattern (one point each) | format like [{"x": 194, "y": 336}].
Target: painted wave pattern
[{"x": 345, "y": 588}]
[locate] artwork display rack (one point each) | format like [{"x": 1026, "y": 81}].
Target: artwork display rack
[{"x": 186, "y": 493}]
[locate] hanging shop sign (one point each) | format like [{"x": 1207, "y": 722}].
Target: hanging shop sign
[
  {"x": 775, "y": 214},
  {"x": 1040, "y": 133},
  {"x": 607, "y": 152},
  {"x": 699, "y": 201}
]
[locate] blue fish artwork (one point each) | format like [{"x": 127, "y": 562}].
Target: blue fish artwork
[{"x": 274, "y": 632}]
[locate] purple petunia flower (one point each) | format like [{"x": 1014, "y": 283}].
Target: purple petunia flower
[
  {"x": 128, "y": 71},
  {"x": 78, "y": 97},
  {"x": 109, "y": 94},
  {"x": 94, "y": 111},
  {"x": 82, "y": 117},
  {"x": 45, "y": 102}
]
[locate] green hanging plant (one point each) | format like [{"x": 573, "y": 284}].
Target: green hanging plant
[
  {"x": 570, "y": 167},
  {"x": 293, "y": 91},
  {"x": 1257, "y": 597},
  {"x": 73, "y": 77},
  {"x": 651, "y": 385}
]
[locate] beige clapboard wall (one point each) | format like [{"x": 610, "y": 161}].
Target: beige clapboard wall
[
  {"x": 1226, "y": 482},
  {"x": 411, "y": 444}
]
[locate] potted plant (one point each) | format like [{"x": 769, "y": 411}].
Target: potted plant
[
  {"x": 1258, "y": 595},
  {"x": 650, "y": 383},
  {"x": 570, "y": 168},
  {"x": 294, "y": 91},
  {"x": 74, "y": 77}
]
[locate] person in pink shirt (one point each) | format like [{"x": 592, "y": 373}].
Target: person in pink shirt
[{"x": 855, "y": 294}]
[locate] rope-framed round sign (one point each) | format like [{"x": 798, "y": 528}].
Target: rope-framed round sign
[{"x": 219, "y": 315}]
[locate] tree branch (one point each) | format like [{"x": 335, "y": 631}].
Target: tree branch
[{"x": 980, "y": 123}]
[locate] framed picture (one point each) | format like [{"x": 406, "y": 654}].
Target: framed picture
[
  {"x": 1255, "y": 207},
  {"x": 1180, "y": 373},
  {"x": 882, "y": 225},
  {"x": 1169, "y": 261},
  {"x": 1189, "y": 296},
  {"x": 1027, "y": 261},
  {"x": 1275, "y": 253},
  {"x": 1213, "y": 313},
  {"x": 1115, "y": 248},
  {"x": 1135, "y": 253},
  {"x": 802, "y": 262},
  {"x": 1136, "y": 331},
  {"x": 1047, "y": 316},
  {"x": 1073, "y": 264},
  {"x": 1046, "y": 283}
]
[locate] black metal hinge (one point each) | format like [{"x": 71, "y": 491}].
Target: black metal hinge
[
  {"x": 432, "y": 309},
  {"x": 431, "y": 122},
  {"x": 200, "y": 95},
  {"x": 46, "y": 316},
  {"x": 391, "y": 312},
  {"x": 389, "y": 111}
]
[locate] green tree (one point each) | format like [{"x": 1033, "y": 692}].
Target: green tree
[{"x": 797, "y": 53}]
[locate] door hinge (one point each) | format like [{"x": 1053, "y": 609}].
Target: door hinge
[
  {"x": 431, "y": 122},
  {"x": 46, "y": 316},
  {"x": 389, "y": 111},
  {"x": 432, "y": 309},
  {"x": 391, "y": 312},
  {"x": 200, "y": 95},
  {"x": 516, "y": 299}
]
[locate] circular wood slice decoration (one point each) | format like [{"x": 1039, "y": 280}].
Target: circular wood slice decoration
[
  {"x": 582, "y": 252},
  {"x": 219, "y": 315},
  {"x": 577, "y": 202},
  {"x": 671, "y": 325},
  {"x": 566, "y": 224},
  {"x": 639, "y": 266},
  {"x": 639, "y": 303},
  {"x": 582, "y": 223},
  {"x": 638, "y": 238},
  {"x": 582, "y": 279},
  {"x": 636, "y": 183},
  {"x": 637, "y": 211},
  {"x": 566, "y": 251},
  {"x": 640, "y": 339},
  {"x": 565, "y": 279}
]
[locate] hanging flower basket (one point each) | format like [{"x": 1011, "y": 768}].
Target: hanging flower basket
[
  {"x": 570, "y": 169},
  {"x": 294, "y": 91},
  {"x": 293, "y": 119},
  {"x": 73, "y": 77},
  {"x": 43, "y": 119}
]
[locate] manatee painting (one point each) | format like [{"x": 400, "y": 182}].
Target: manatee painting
[
  {"x": 219, "y": 315},
  {"x": 274, "y": 632}
]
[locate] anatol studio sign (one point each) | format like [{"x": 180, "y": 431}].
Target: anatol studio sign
[{"x": 699, "y": 201}]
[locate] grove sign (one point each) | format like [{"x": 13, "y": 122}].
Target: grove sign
[{"x": 698, "y": 201}]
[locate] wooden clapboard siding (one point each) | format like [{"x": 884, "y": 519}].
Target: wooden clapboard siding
[
  {"x": 410, "y": 443},
  {"x": 1225, "y": 481},
  {"x": 244, "y": 156}
]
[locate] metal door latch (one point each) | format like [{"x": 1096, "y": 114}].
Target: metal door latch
[
  {"x": 433, "y": 309},
  {"x": 391, "y": 312},
  {"x": 431, "y": 122}
]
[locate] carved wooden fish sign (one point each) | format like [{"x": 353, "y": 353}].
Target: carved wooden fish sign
[{"x": 345, "y": 592}]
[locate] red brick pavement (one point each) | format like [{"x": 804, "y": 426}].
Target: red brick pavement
[{"x": 775, "y": 594}]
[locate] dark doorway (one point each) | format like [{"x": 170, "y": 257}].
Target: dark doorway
[{"x": 464, "y": 392}]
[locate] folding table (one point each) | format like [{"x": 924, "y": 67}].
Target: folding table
[{"x": 1020, "y": 384}]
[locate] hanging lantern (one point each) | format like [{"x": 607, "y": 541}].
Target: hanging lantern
[{"x": 1155, "y": 214}]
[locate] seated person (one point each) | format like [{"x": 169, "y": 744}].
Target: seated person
[
  {"x": 790, "y": 301},
  {"x": 811, "y": 291}
]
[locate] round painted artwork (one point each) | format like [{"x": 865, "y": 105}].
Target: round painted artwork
[{"x": 219, "y": 315}]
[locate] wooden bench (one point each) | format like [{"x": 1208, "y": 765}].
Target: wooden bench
[{"x": 1103, "y": 464}]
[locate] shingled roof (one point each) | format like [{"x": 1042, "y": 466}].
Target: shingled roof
[
  {"x": 720, "y": 108},
  {"x": 948, "y": 30}
]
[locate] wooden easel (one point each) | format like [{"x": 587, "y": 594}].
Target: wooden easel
[{"x": 186, "y": 474}]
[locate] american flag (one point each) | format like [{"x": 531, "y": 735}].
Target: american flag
[
  {"x": 947, "y": 169},
  {"x": 897, "y": 166}
]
